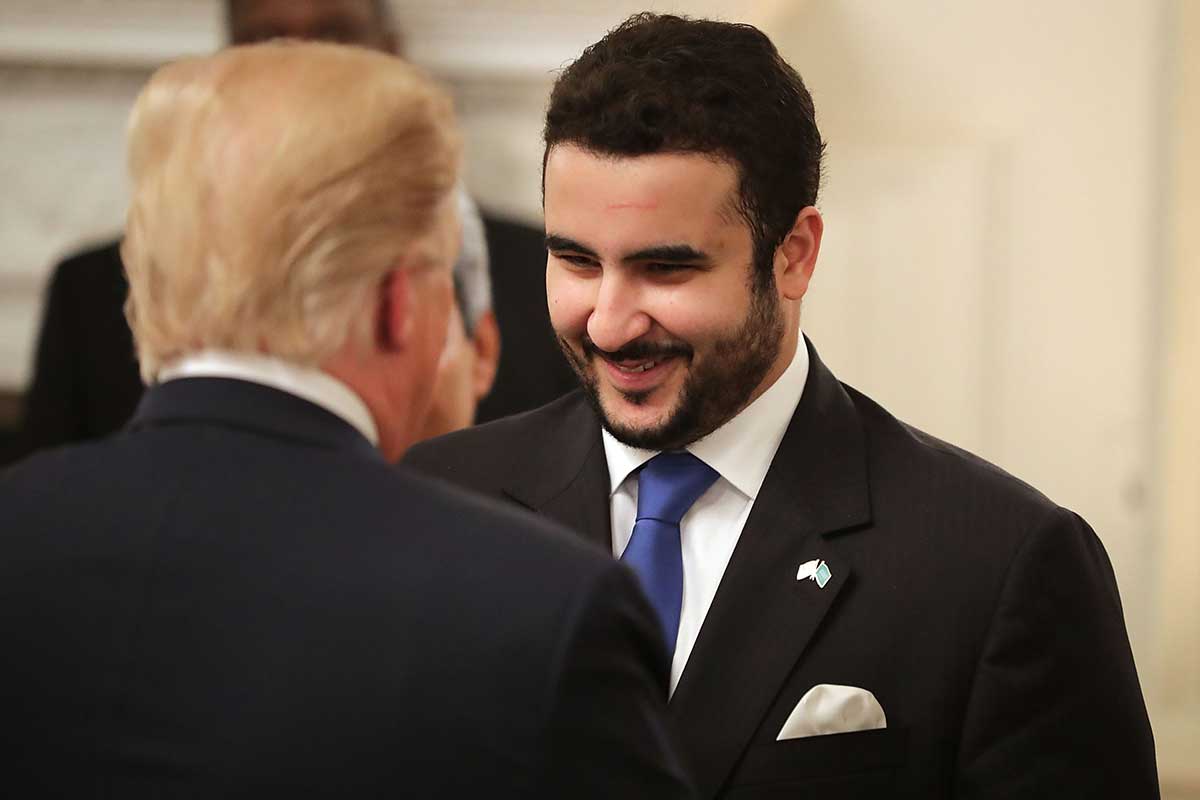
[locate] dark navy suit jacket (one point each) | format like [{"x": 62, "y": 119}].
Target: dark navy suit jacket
[
  {"x": 237, "y": 597},
  {"x": 983, "y": 617}
]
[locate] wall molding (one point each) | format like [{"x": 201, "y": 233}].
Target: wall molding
[
  {"x": 114, "y": 33},
  {"x": 460, "y": 41}
]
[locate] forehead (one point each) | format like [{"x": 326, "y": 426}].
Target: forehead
[{"x": 684, "y": 196}]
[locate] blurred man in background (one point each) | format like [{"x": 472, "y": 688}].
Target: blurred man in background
[
  {"x": 366, "y": 23},
  {"x": 85, "y": 379},
  {"x": 468, "y": 366},
  {"x": 240, "y": 596}
]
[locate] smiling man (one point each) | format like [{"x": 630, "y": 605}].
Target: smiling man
[
  {"x": 854, "y": 608},
  {"x": 650, "y": 295}
]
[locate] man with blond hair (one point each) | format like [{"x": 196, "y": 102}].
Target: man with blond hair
[
  {"x": 239, "y": 595},
  {"x": 84, "y": 382}
]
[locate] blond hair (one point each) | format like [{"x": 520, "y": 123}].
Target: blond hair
[{"x": 273, "y": 187}]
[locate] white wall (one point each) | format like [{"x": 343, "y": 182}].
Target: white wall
[
  {"x": 69, "y": 70},
  {"x": 1176, "y": 586},
  {"x": 61, "y": 131}
]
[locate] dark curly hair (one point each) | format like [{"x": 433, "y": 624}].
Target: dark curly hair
[{"x": 662, "y": 83}]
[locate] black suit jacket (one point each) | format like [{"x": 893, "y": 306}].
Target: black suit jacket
[
  {"x": 85, "y": 378},
  {"x": 239, "y": 597},
  {"x": 983, "y": 617}
]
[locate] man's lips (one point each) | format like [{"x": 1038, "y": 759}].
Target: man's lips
[
  {"x": 638, "y": 375},
  {"x": 639, "y": 366}
]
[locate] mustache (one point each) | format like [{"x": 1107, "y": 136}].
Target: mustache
[{"x": 636, "y": 350}]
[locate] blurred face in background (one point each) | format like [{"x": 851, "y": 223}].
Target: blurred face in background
[
  {"x": 432, "y": 309},
  {"x": 465, "y": 373},
  {"x": 343, "y": 21}
]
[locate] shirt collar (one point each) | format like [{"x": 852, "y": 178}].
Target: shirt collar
[
  {"x": 742, "y": 449},
  {"x": 308, "y": 383}
]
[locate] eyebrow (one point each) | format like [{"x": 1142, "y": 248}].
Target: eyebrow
[
  {"x": 556, "y": 242},
  {"x": 668, "y": 253}
]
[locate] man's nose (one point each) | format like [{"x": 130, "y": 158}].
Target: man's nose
[{"x": 617, "y": 318}]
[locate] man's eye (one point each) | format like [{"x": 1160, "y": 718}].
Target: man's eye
[
  {"x": 575, "y": 260},
  {"x": 661, "y": 268}
]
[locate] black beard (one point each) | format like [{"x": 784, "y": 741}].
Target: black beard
[{"x": 713, "y": 392}]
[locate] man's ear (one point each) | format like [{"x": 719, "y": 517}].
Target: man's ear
[
  {"x": 796, "y": 256},
  {"x": 393, "y": 327},
  {"x": 486, "y": 342}
]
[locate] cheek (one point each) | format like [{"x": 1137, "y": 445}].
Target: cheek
[
  {"x": 455, "y": 347},
  {"x": 453, "y": 387},
  {"x": 570, "y": 301},
  {"x": 697, "y": 313},
  {"x": 453, "y": 405},
  {"x": 441, "y": 306}
]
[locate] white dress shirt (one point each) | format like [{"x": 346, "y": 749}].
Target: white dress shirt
[
  {"x": 308, "y": 383},
  {"x": 741, "y": 451}
]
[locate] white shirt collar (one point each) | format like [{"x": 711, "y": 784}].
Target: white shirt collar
[
  {"x": 308, "y": 383},
  {"x": 742, "y": 449}
]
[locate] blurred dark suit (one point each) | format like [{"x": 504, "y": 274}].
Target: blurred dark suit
[
  {"x": 85, "y": 375},
  {"x": 85, "y": 382},
  {"x": 238, "y": 597}
]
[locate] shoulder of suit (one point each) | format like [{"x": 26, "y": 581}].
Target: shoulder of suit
[
  {"x": 93, "y": 256},
  {"x": 452, "y": 519},
  {"x": 903, "y": 452},
  {"x": 505, "y": 523},
  {"x": 131, "y": 465},
  {"x": 483, "y": 452},
  {"x": 91, "y": 266}
]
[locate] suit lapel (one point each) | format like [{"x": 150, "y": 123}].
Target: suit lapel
[
  {"x": 762, "y": 618},
  {"x": 569, "y": 481},
  {"x": 583, "y": 505}
]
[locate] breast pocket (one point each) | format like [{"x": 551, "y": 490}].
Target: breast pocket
[{"x": 835, "y": 767}]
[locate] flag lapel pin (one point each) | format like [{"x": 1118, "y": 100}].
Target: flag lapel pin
[{"x": 815, "y": 570}]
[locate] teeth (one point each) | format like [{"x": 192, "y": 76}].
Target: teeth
[{"x": 639, "y": 368}]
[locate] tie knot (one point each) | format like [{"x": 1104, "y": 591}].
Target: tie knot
[{"x": 668, "y": 485}]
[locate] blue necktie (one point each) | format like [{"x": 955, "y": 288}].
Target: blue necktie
[{"x": 667, "y": 486}]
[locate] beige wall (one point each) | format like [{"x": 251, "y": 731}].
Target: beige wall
[
  {"x": 1179, "y": 429},
  {"x": 1176, "y": 683}
]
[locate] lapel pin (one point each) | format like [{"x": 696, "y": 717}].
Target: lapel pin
[{"x": 815, "y": 570}]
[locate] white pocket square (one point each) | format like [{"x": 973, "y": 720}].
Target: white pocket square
[{"x": 827, "y": 708}]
